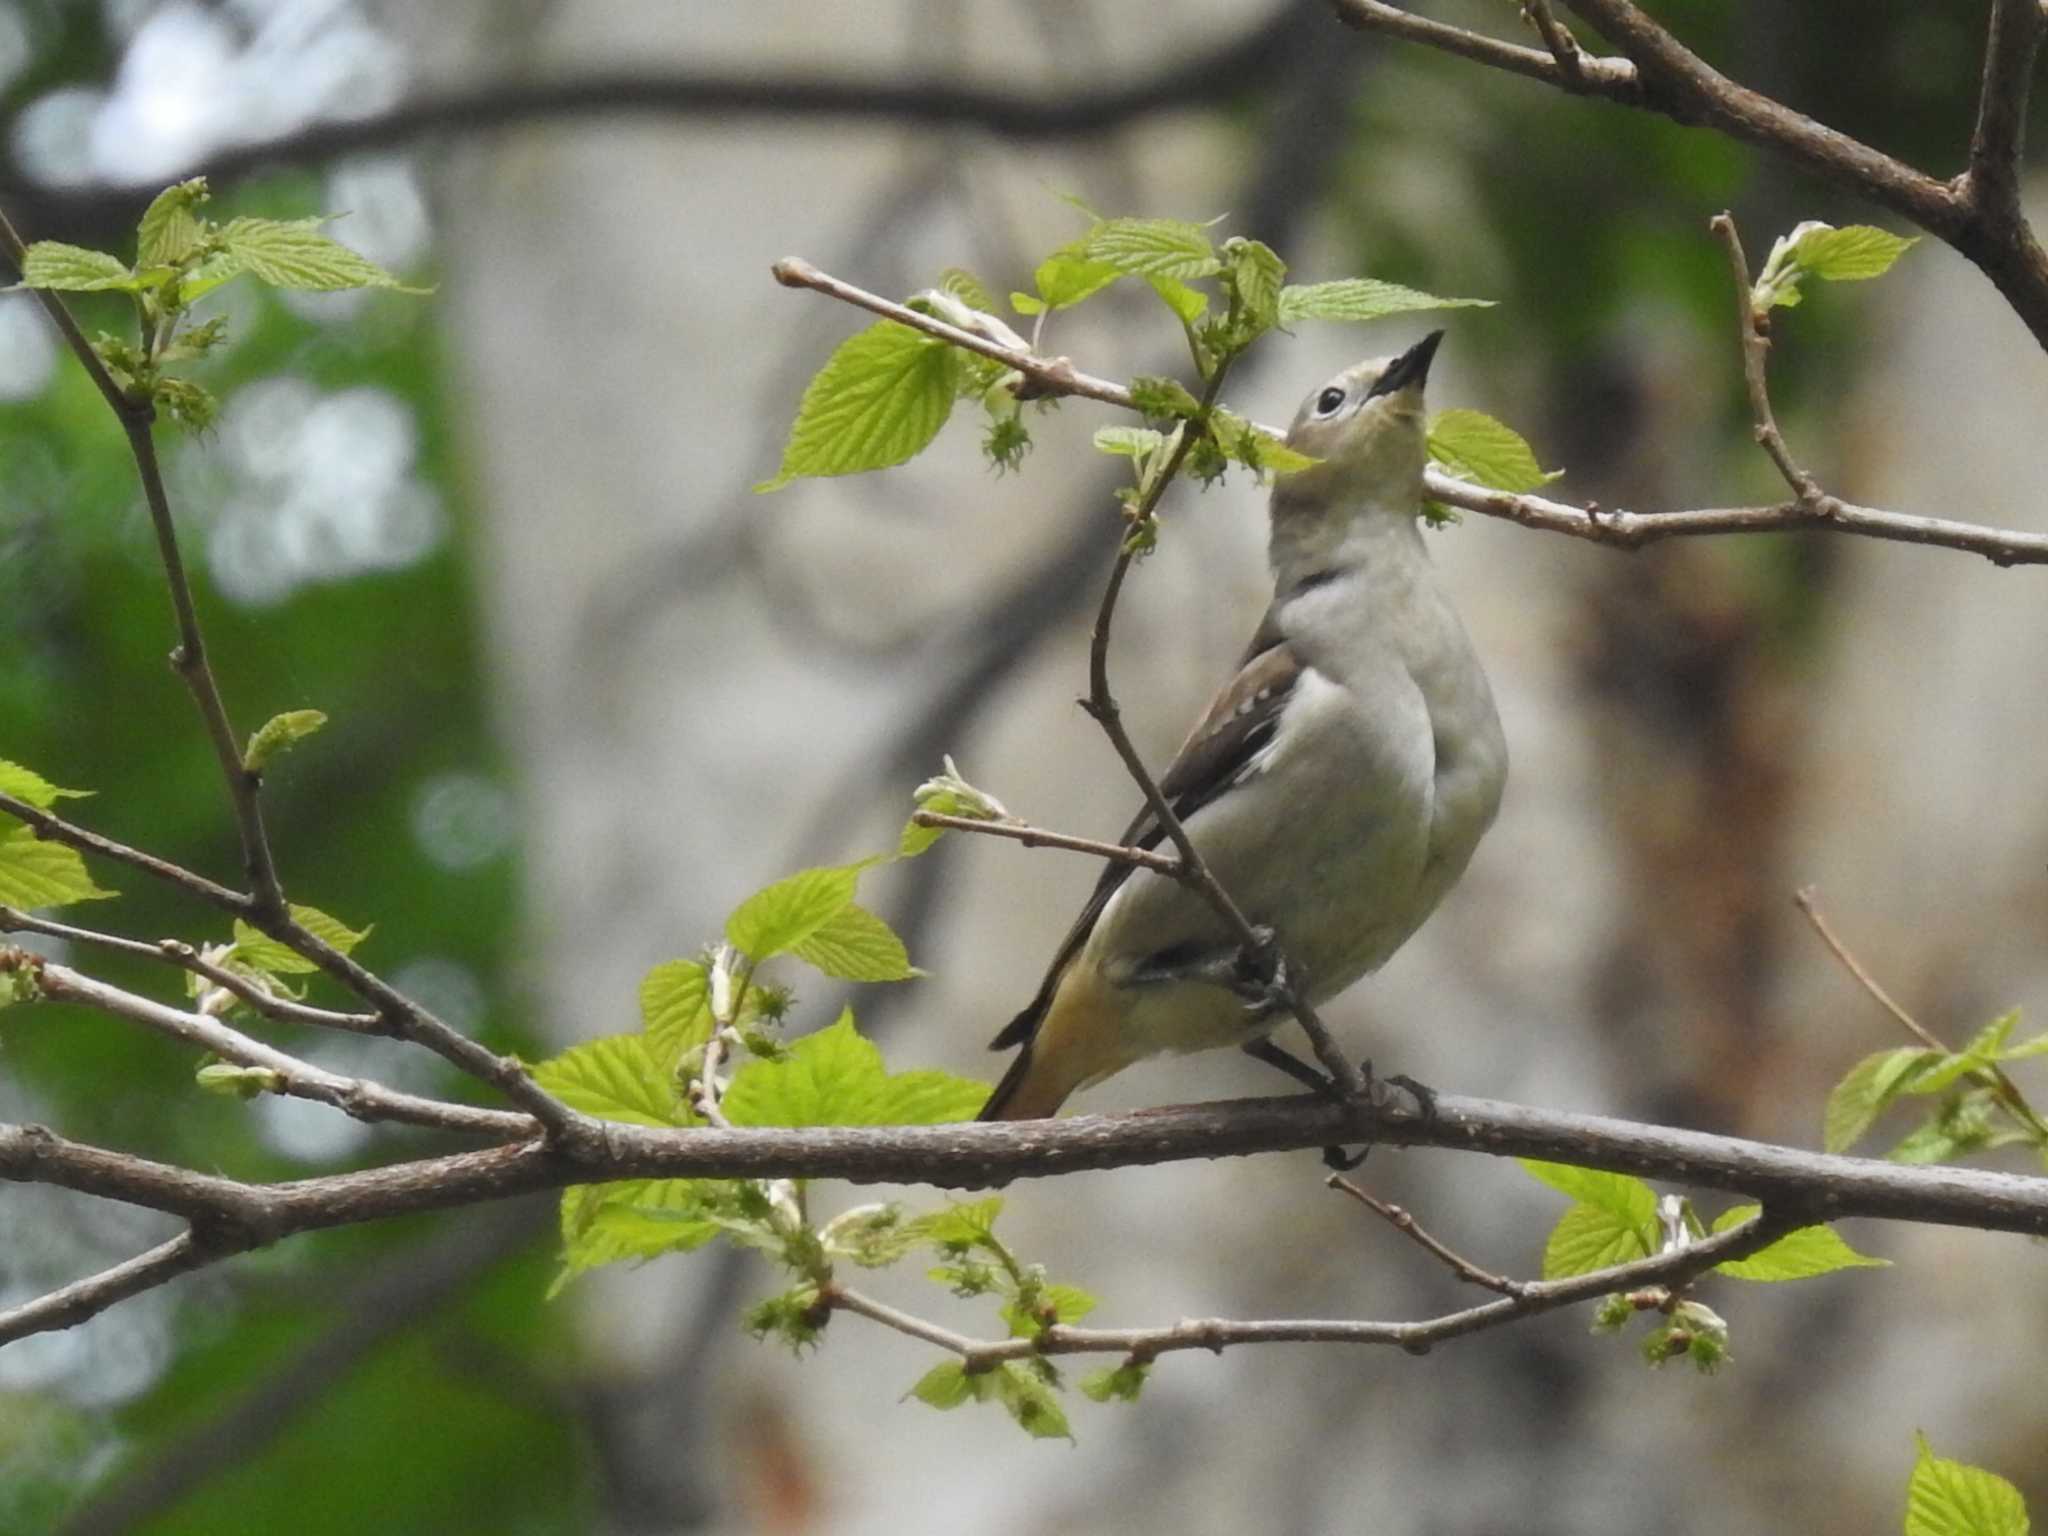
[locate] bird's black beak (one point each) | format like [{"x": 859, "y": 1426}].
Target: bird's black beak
[{"x": 1411, "y": 367}]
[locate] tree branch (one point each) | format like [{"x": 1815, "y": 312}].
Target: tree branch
[
  {"x": 1614, "y": 79},
  {"x": 70, "y": 1305},
  {"x": 1674, "y": 1268},
  {"x": 290, "y": 1075},
  {"x": 1992, "y": 184},
  {"x": 1756, "y": 352},
  {"x": 1038, "y": 837},
  {"x": 1797, "y": 1187},
  {"x": 1616, "y": 527},
  {"x": 1404, "y": 1222}
]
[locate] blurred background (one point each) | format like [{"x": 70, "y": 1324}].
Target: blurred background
[{"x": 587, "y": 691}]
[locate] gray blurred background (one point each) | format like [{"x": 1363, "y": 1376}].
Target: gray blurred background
[{"x": 588, "y": 691}]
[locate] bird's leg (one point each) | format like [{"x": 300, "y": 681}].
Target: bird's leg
[{"x": 1263, "y": 1049}]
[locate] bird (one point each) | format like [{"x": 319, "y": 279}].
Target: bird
[{"x": 1336, "y": 787}]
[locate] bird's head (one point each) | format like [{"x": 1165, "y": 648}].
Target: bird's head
[{"x": 1367, "y": 427}]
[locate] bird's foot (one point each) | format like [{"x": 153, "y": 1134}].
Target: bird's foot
[{"x": 1261, "y": 978}]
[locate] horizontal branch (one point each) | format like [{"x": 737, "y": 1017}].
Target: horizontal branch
[
  {"x": 1614, "y": 79},
  {"x": 1796, "y": 1187},
  {"x": 1216, "y": 1334},
  {"x": 289, "y": 1075},
  {"x": 1620, "y": 529}
]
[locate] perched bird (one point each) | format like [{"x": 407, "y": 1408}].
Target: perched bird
[{"x": 1336, "y": 787}]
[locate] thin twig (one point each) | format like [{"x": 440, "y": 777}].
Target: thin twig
[
  {"x": 59, "y": 312},
  {"x": 1571, "y": 59},
  {"x": 56, "y": 829},
  {"x": 1404, "y": 1222},
  {"x": 1526, "y": 1299},
  {"x": 706, "y": 1096},
  {"x": 286, "y": 1074},
  {"x": 1616, "y": 527},
  {"x": 1614, "y": 79},
  {"x": 70, "y": 1305},
  {"x": 1756, "y": 351},
  {"x": 2000, "y": 1081},
  {"x": 1053, "y": 375},
  {"x": 271, "y": 1005},
  {"x": 1038, "y": 837}
]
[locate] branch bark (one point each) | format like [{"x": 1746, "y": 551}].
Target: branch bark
[{"x": 1795, "y": 1186}]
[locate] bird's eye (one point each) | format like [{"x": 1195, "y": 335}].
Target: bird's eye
[{"x": 1329, "y": 400}]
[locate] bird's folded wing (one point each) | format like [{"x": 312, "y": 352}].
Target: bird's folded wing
[{"x": 1239, "y": 723}]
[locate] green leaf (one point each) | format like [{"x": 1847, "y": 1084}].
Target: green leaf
[
  {"x": 948, "y": 794},
  {"x": 633, "y": 1219},
  {"x": 675, "y": 1010},
  {"x": 1256, "y": 271},
  {"x": 836, "y": 1077},
  {"x": 616, "y": 1077},
  {"x": 856, "y": 945},
  {"x": 1362, "y": 298},
  {"x": 267, "y": 954},
  {"x": 192, "y": 406},
  {"x": 870, "y": 1235},
  {"x": 879, "y": 400},
  {"x": 1031, "y": 1400},
  {"x": 1851, "y": 254},
  {"x": 1064, "y": 279},
  {"x": 170, "y": 230},
  {"x": 795, "y": 1318},
  {"x": 1068, "y": 1303},
  {"x": 74, "y": 269},
  {"x": 1162, "y": 398},
  {"x": 1797, "y": 1255},
  {"x": 294, "y": 254},
  {"x": 1129, "y": 442},
  {"x": 1816, "y": 249},
  {"x": 1151, "y": 248},
  {"x": 278, "y": 733},
  {"x": 781, "y": 916},
  {"x": 1960, "y": 1125},
  {"x": 1117, "y": 1383},
  {"x": 1861, "y": 1096},
  {"x": 1261, "y": 452},
  {"x": 1989, "y": 1043},
  {"x": 1587, "y": 1238},
  {"x": 968, "y": 289},
  {"x": 1473, "y": 446},
  {"x": 1951, "y": 1498},
  {"x": 945, "y": 1385},
  {"x": 224, "y": 1077},
  {"x": 35, "y": 873},
  {"x": 27, "y": 784},
  {"x": 1188, "y": 304},
  {"x": 962, "y": 1224},
  {"x": 1613, "y": 1219}
]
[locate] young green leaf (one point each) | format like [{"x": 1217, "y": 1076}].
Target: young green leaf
[
  {"x": 1950, "y": 1498},
  {"x": 1243, "y": 443},
  {"x": 1160, "y": 398},
  {"x": 170, "y": 230},
  {"x": 1473, "y": 446},
  {"x": 73, "y": 269},
  {"x": 1817, "y": 249},
  {"x": 267, "y": 954},
  {"x": 1613, "y": 1219},
  {"x": 781, "y": 916},
  {"x": 879, "y": 400},
  {"x": 962, "y": 1224},
  {"x": 947, "y": 794},
  {"x": 1064, "y": 279},
  {"x": 226, "y": 1078},
  {"x": 27, "y": 784},
  {"x": 836, "y": 1077},
  {"x": 1361, "y": 298},
  {"x": 1188, "y": 304},
  {"x": 1117, "y": 1383},
  {"x": 278, "y": 733},
  {"x": 1129, "y": 442},
  {"x": 292, "y": 253},
  {"x": 945, "y": 1385},
  {"x": 675, "y": 1010},
  {"x": 1030, "y": 1398},
  {"x": 1067, "y": 1303},
  {"x": 1256, "y": 272},
  {"x": 1864, "y": 1091},
  {"x": 856, "y": 945},
  {"x": 635, "y": 1219},
  {"x": 871, "y": 1236},
  {"x": 35, "y": 873},
  {"x": 615, "y": 1077},
  {"x": 968, "y": 289},
  {"x": 1797, "y": 1255},
  {"x": 794, "y": 1318},
  {"x": 1152, "y": 248}
]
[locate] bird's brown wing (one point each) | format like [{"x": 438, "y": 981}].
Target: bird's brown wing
[{"x": 1240, "y": 721}]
